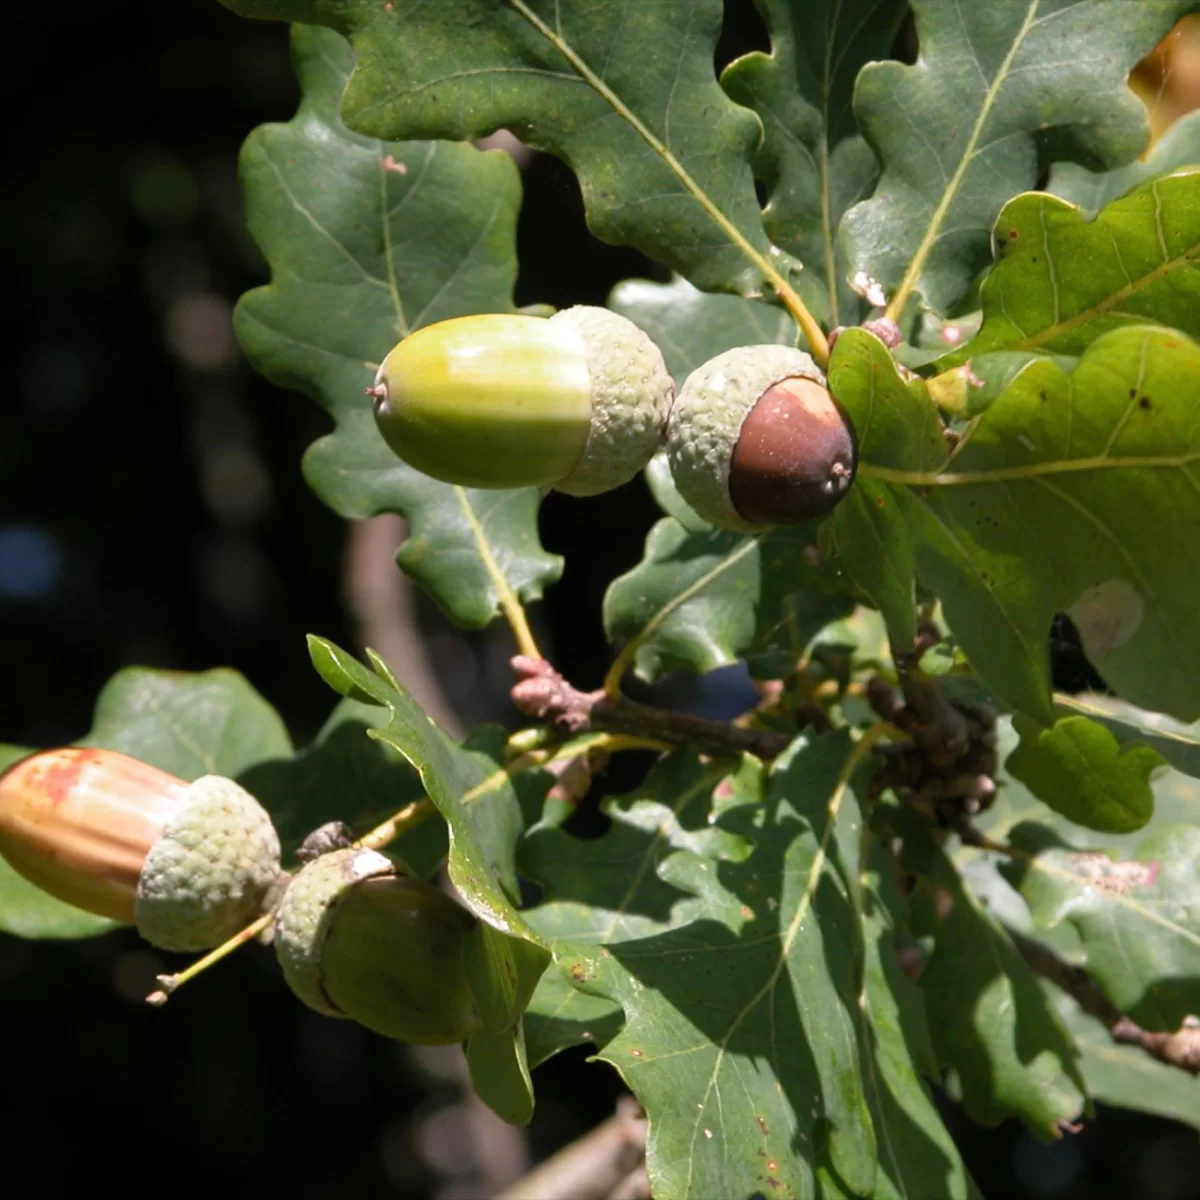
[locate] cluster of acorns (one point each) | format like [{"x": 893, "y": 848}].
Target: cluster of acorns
[
  {"x": 191, "y": 864},
  {"x": 579, "y": 402},
  {"x": 582, "y": 401}
]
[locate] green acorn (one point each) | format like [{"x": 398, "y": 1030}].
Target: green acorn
[
  {"x": 188, "y": 863},
  {"x": 356, "y": 939},
  {"x": 756, "y": 440},
  {"x": 578, "y": 402}
]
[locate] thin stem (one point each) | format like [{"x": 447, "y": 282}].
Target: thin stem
[
  {"x": 510, "y": 602},
  {"x": 621, "y": 664},
  {"x": 169, "y": 984},
  {"x": 1179, "y": 1049},
  {"x": 514, "y": 613},
  {"x": 682, "y": 729},
  {"x": 543, "y": 693},
  {"x": 970, "y": 836},
  {"x": 410, "y": 816}
]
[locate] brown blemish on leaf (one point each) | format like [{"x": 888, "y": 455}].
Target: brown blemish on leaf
[
  {"x": 1119, "y": 878},
  {"x": 943, "y": 903},
  {"x": 746, "y": 912},
  {"x": 762, "y": 1125},
  {"x": 723, "y": 790},
  {"x": 390, "y": 163},
  {"x": 637, "y": 1053}
]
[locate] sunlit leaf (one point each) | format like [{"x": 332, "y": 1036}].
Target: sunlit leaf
[
  {"x": 1060, "y": 280},
  {"x": 368, "y": 241},
  {"x": 1073, "y": 492},
  {"x": 995, "y": 88},
  {"x": 812, "y": 158},
  {"x": 628, "y": 97}
]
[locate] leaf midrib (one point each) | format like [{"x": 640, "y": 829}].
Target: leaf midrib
[
  {"x": 1031, "y": 471},
  {"x": 917, "y": 264},
  {"x": 853, "y": 760}
]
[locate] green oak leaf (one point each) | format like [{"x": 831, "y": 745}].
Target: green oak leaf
[
  {"x": 812, "y": 159},
  {"x": 1126, "y": 1076},
  {"x": 1176, "y": 805},
  {"x": 968, "y": 390},
  {"x": 662, "y": 154},
  {"x": 1178, "y": 744},
  {"x": 350, "y": 776},
  {"x": 1080, "y": 769},
  {"x": 559, "y": 1016},
  {"x": 1073, "y": 492},
  {"x": 1137, "y": 913},
  {"x": 1176, "y": 800},
  {"x": 505, "y": 957},
  {"x": 210, "y": 723},
  {"x": 634, "y": 882},
  {"x": 1178, "y": 147},
  {"x": 367, "y": 241},
  {"x": 990, "y": 1020},
  {"x": 701, "y": 597},
  {"x": 499, "y": 1068},
  {"x": 1061, "y": 280},
  {"x": 917, "y": 1156},
  {"x": 737, "y": 959},
  {"x": 995, "y": 88}
]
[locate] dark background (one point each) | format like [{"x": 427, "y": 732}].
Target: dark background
[{"x": 152, "y": 512}]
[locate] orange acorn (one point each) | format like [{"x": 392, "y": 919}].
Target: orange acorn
[{"x": 188, "y": 863}]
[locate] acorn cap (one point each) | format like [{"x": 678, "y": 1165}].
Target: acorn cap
[
  {"x": 631, "y": 397},
  {"x": 209, "y": 873},
  {"x": 307, "y": 908},
  {"x": 501, "y": 400},
  {"x": 756, "y": 440},
  {"x": 355, "y": 939},
  {"x": 189, "y": 863}
]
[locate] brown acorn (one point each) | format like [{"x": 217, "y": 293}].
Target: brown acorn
[
  {"x": 756, "y": 439},
  {"x": 188, "y": 863}
]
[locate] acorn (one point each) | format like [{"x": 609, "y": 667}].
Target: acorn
[
  {"x": 188, "y": 863},
  {"x": 357, "y": 939},
  {"x": 578, "y": 402},
  {"x": 756, "y": 440}
]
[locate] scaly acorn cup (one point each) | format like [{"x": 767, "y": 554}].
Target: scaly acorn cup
[
  {"x": 757, "y": 440},
  {"x": 356, "y": 939},
  {"x": 188, "y": 863},
  {"x": 578, "y": 402}
]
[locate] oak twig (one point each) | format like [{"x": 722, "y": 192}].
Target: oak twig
[
  {"x": 603, "y": 1160},
  {"x": 1179, "y": 1049},
  {"x": 946, "y": 770},
  {"x": 541, "y": 692}
]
